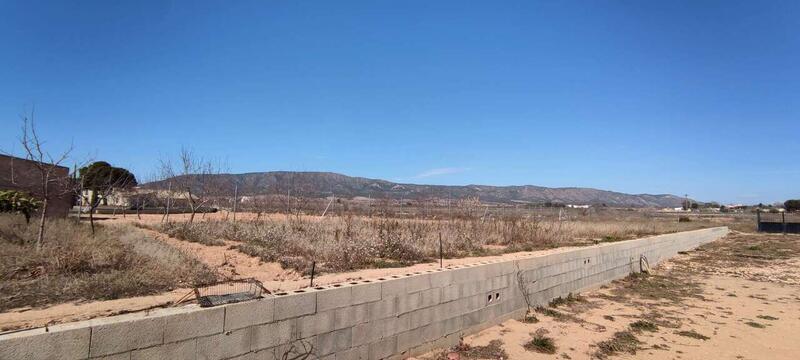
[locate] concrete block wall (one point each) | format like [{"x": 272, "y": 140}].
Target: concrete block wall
[{"x": 386, "y": 318}]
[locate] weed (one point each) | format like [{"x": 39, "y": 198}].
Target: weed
[
  {"x": 494, "y": 350},
  {"x": 621, "y": 342},
  {"x": 643, "y": 325},
  {"x": 530, "y": 318},
  {"x": 755, "y": 324},
  {"x": 541, "y": 344},
  {"x": 692, "y": 334},
  {"x": 568, "y": 300},
  {"x": 767, "y": 317}
]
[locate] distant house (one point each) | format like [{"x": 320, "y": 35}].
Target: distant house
[
  {"x": 578, "y": 206},
  {"x": 22, "y": 175}
]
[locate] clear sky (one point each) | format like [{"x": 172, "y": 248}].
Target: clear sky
[{"x": 682, "y": 97}]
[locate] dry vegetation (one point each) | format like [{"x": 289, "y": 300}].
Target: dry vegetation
[
  {"x": 118, "y": 261},
  {"x": 349, "y": 242}
]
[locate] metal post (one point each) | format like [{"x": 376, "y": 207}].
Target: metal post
[
  {"x": 441, "y": 253},
  {"x": 313, "y": 268}
]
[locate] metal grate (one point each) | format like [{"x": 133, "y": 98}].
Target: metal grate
[{"x": 228, "y": 292}]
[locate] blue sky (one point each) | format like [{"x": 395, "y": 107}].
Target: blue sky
[{"x": 682, "y": 97}]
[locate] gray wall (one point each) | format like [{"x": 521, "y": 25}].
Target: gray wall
[{"x": 382, "y": 318}]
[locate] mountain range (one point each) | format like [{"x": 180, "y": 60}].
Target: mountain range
[{"x": 324, "y": 184}]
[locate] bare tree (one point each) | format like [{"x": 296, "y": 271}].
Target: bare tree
[
  {"x": 46, "y": 166},
  {"x": 197, "y": 177}
]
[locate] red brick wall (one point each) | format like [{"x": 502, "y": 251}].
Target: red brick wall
[{"x": 20, "y": 174}]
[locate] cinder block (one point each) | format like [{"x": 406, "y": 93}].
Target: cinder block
[
  {"x": 367, "y": 333},
  {"x": 334, "y": 297},
  {"x": 273, "y": 334},
  {"x": 132, "y": 333},
  {"x": 441, "y": 278},
  {"x": 61, "y": 342},
  {"x": 248, "y": 356},
  {"x": 393, "y": 287},
  {"x": 409, "y": 340},
  {"x": 383, "y": 348},
  {"x": 184, "y": 350},
  {"x": 355, "y": 353},
  {"x": 334, "y": 341},
  {"x": 395, "y": 325},
  {"x": 383, "y": 309},
  {"x": 430, "y": 297},
  {"x": 315, "y": 324},
  {"x": 349, "y": 316},
  {"x": 225, "y": 345},
  {"x": 295, "y": 305},
  {"x": 122, "y": 356},
  {"x": 451, "y": 292},
  {"x": 408, "y": 302},
  {"x": 419, "y": 318},
  {"x": 249, "y": 313},
  {"x": 193, "y": 322},
  {"x": 417, "y": 283},
  {"x": 366, "y": 292},
  {"x": 433, "y": 331}
]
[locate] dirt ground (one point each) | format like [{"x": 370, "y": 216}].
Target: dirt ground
[{"x": 736, "y": 298}]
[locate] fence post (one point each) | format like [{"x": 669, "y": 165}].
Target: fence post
[
  {"x": 783, "y": 220},
  {"x": 441, "y": 255},
  {"x": 313, "y": 268},
  {"x": 758, "y": 220}
]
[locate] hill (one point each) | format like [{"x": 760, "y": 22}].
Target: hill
[{"x": 323, "y": 184}]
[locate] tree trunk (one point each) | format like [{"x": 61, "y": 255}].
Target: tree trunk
[
  {"x": 91, "y": 218},
  {"x": 40, "y": 237}
]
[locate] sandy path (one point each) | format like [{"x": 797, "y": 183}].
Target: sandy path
[{"x": 722, "y": 318}]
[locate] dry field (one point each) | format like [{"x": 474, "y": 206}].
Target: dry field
[
  {"x": 72, "y": 265},
  {"x": 736, "y": 298},
  {"x": 135, "y": 263},
  {"x": 347, "y": 243}
]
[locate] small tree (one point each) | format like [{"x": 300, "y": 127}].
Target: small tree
[
  {"x": 792, "y": 205},
  {"x": 12, "y": 201},
  {"x": 195, "y": 177},
  {"x": 47, "y": 167},
  {"x": 102, "y": 179}
]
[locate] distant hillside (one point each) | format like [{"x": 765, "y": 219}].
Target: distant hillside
[{"x": 323, "y": 184}]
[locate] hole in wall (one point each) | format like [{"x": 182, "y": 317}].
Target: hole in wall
[
  {"x": 489, "y": 299},
  {"x": 497, "y": 296}
]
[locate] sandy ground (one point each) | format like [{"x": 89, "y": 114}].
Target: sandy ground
[
  {"x": 228, "y": 262},
  {"x": 747, "y": 302}
]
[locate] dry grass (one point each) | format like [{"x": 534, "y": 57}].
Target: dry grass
[
  {"x": 621, "y": 342},
  {"x": 119, "y": 261},
  {"x": 356, "y": 242},
  {"x": 494, "y": 350},
  {"x": 541, "y": 343}
]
